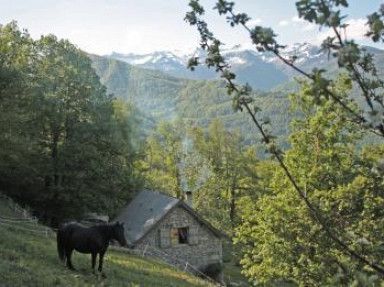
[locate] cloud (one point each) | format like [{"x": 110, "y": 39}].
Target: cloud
[
  {"x": 254, "y": 22},
  {"x": 356, "y": 30},
  {"x": 296, "y": 19},
  {"x": 298, "y": 23},
  {"x": 308, "y": 27},
  {"x": 302, "y": 24}
]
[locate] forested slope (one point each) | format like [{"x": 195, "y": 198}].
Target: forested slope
[
  {"x": 66, "y": 146},
  {"x": 165, "y": 98}
]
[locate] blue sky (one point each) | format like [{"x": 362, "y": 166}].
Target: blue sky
[{"x": 142, "y": 26}]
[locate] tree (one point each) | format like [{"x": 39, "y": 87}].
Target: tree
[
  {"x": 164, "y": 159},
  {"x": 286, "y": 245},
  {"x": 232, "y": 169},
  {"x": 358, "y": 63},
  {"x": 66, "y": 145},
  {"x": 214, "y": 165}
]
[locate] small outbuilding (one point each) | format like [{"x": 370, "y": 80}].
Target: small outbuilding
[
  {"x": 92, "y": 218},
  {"x": 157, "y": 222}
]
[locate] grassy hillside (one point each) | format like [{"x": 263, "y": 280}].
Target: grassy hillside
[{"x": 28, "y": 258}]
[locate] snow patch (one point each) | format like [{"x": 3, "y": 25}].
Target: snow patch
[
  {"x": 236, "y": 60},
  {"x": 141, "y": 60}
]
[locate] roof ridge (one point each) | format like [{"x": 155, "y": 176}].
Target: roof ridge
[{"x": 147, "y": 209}]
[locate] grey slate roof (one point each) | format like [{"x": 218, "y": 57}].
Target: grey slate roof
[{"x": 147, "y": 209}]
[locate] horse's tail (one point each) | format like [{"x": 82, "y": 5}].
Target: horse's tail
[{"x": 60, "y": 245}]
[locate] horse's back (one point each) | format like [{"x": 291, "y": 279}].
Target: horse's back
[
  {"x": 81, "y": 238},
  {"x": 73, "y": 225}
]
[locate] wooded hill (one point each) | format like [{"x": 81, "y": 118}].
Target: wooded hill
[
  {"x": 196, "y": 101},
  {"x": 164, "y": 97},
  {"x": 261, "y": 70},
  {"x": 66, "y": 146}
]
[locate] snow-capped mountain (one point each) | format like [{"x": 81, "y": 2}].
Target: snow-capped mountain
[
  {"x": 171, "y": 63},
  {"x": 261, "y": 70},
  {"x": 164, "y": 60}
]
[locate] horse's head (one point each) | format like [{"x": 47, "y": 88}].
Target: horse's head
[{"x": 118, "y": 233}]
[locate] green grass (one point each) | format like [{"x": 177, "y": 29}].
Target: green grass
[{"x": 30, "y": 259}]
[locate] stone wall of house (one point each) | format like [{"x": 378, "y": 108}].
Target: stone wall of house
[{"x": 203, "y": 247}]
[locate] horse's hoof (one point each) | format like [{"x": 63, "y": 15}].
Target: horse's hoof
[{"x": 103, "y": 275}]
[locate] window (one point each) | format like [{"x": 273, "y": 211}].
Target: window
[{"x": 179, "y": 235}]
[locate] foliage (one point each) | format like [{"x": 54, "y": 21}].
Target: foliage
[
  {"x": 284, "y": 243},
  {"x": 164, "y": 98},
  {"x": 214, "y": 165},
  {"x": 319, "y": 198},
  {"x": 66, "y": 145},
  {"x": 232, "y": 175},
  {"x": 164, "y": 156}
]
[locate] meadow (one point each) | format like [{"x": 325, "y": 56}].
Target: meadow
[{"x": 28, "y": 257}]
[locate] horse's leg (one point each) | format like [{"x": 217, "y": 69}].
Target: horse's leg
[
  {"x": 101, "y": 257},
  {"x": 94, "y": 255},
  {"x": 68, "y": 254}
]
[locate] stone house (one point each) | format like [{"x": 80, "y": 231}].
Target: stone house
[{"x": 170, "y": 226}]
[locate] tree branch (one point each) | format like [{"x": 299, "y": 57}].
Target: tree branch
[{"x": 221, "y": 66}]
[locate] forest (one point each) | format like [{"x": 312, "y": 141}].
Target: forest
[
  {"x": 67, "y": 146},
  {"x": 294, "y": 175}
]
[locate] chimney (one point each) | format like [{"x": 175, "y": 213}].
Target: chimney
[{"x": 188, "y": 197}]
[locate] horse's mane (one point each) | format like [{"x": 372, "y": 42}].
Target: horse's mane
[{"x": 104, "y": 228}]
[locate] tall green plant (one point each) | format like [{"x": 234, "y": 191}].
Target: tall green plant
[
  {"x": 66, "y": 146},
  {"x": 281, "y": 242},
  {"x": 355, "y": 60}
]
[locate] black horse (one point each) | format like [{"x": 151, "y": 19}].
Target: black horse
[{"x": 94, "y": 240}]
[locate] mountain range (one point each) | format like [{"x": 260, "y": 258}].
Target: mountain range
[
  {"x": 163, "y": 97},
  {"x": 262, "y": 71},
  {"x": 161, "y": 86}
]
